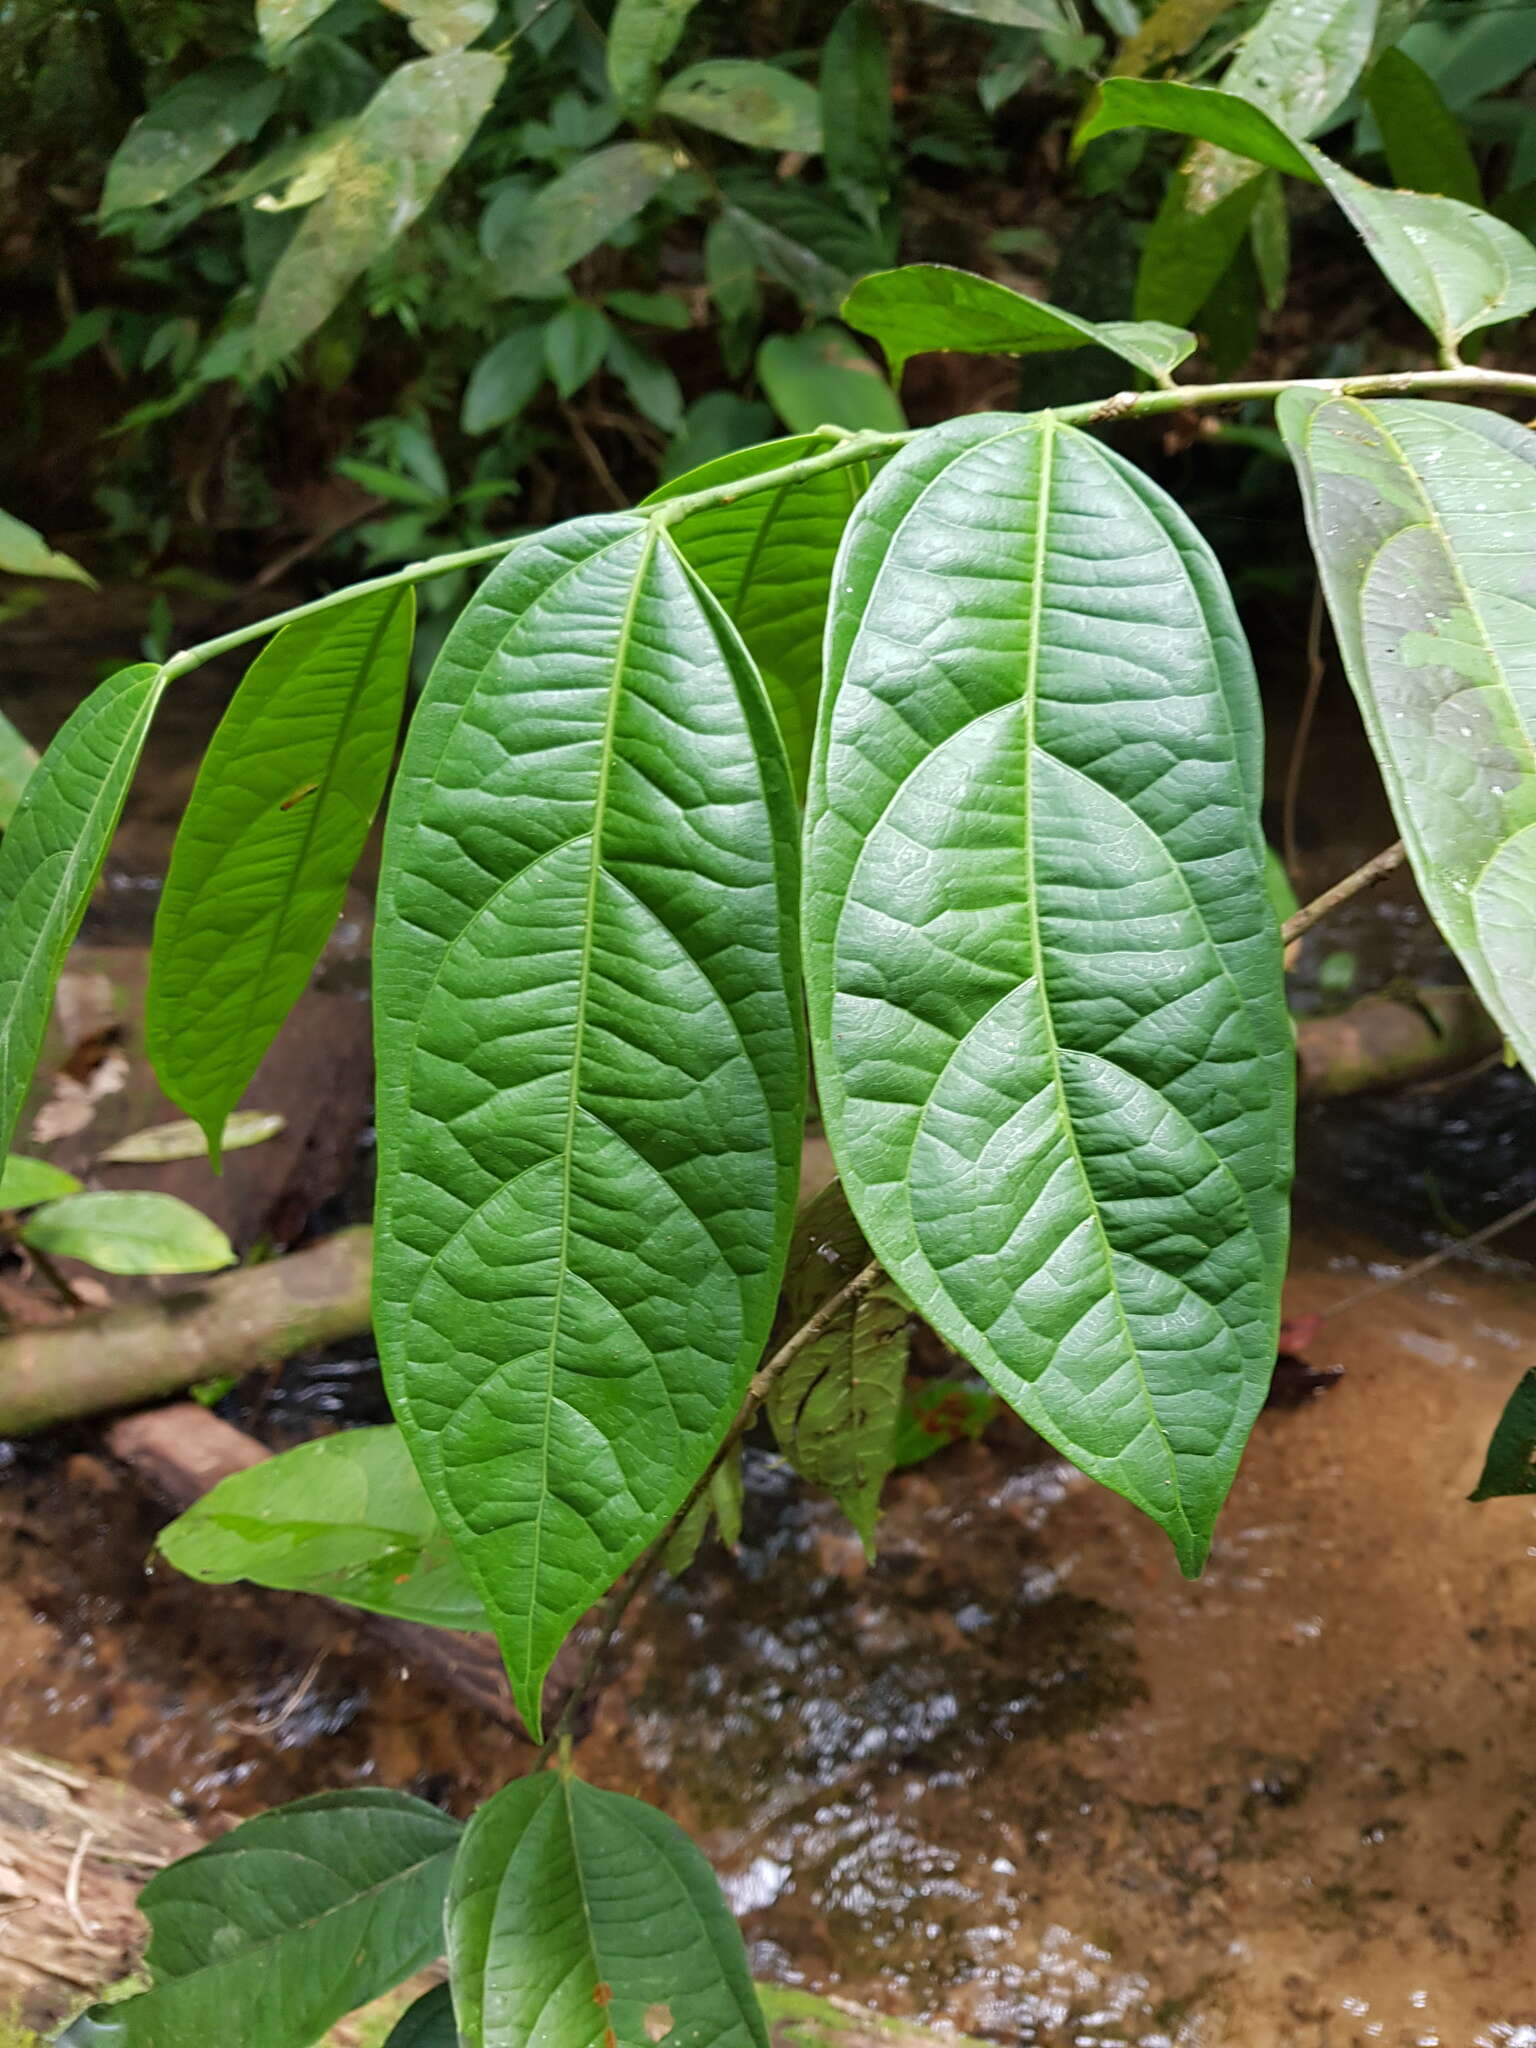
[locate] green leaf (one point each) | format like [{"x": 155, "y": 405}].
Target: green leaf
[
  {"x": 1424, "y": 143},
  {"x": 857, "y": 120},
  {"x": 129, "y": 1233},
  {"x": 718, "y": 423},
  {"x": 1459, "y": 269},
  {"x": 651, "y": 309},
  {"x": 938, "y": 1413},
  {"x": 574, "y": 1913},
  {"x": 642, "y": 35},
  {"x": 834, "y": 1409},
  {"x": 575, "y": 213},
  {"x": 1035, "y": 14},
  {"x": 26, "y": 1182},
  {"x": 161, "y": 1143},
  {"x": 1301, "y": 59},
  {"x": 925, "y": 306},
  {"x": 822, "y": 378},
  {"x": 280, "y": 22},
  {"x": 653, "y": 390},
  {"x": 385, "y": 173},
  {"x": 428, "y": 2023},
  {"x": 801, "y": 240},
  {"x": 574, "y": 342},
  {"x": 24, "y": 552},
  {"x": 187, "y": 130},
  {"x": 1269, "y": 236},
  {"x": 1045, "y": 986},
  {"x": 50, "y": 858},
  {"x": 720, "y": 1502},
  {"x": 757, "y": 104},
  {"x": 504, "y": 381},
  {"x": 584, "y": 960},
  {"x": 441, "y": 25},
  {"x": 1191, "y": 243},
  {"x": 18, "y": 757},
  {"x": 286, "y": 1924},
  {"x": 276, "y": 822},
  {"x": 344, "y": 1516},
  {"x": 768, "y": 558},
  {"x": 1509, "y": 1469},
  {"x": 1423, "y": 522},
  {"x": 730, "y": 270}
]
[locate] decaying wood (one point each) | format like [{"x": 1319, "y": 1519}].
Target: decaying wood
[
  {"x": 74, "y": 1850},
  {"x": 183, "y": 1450},
  {"x": 228, "y": 1323}
]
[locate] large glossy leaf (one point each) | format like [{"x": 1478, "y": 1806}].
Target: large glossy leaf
[
  {"x": 1459, "y": 269},
  {"x": 386, "y": 170},
  {"x": 822, "y": 377},
  {"x": 575, "y": 212},
  {"x": 129, "y": 1232},
  {"x": 930, "y": 306},
  {"x": 588, "y": 1032},
  {"x": 187, "y": 130},
  {"x": 757, "y": 104},
  {"x": 642, "y": 34},
  {"x": 768, "y": 558},
  {"x": 1045, "y": 984},
  {"x": 1424, "y": 526},
  {"x": 284, "y": 1925},
  {"x": 50, "y": 858},
  {"x": 274, "y": 828},
  {"x": 835, "y": 1408},
  {"x": 344, "y": 1516},
  {"x": 579, "y": 1918}
]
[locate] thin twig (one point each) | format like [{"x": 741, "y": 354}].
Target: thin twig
[
  {"x": 618, "y": 1602},
  {"x": 56, "y": 1280},
  {"x": 595, "y": 459},
  {"x": 1294, "y": 766},
  {"x": 72, "y": 1885},
  {"x": 1374, "y": 870},
  {"x": 1420, "y": 1267}
]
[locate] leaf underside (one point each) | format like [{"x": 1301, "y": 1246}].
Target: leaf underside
[
  {"x": 574, "y": 1914},
  {"x": 588, "y": 1029},
  {"x": 1044, "y": 983},
  {"x": 1423, "y": 520}
]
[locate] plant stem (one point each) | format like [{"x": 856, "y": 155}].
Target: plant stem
[
  {"x": 856, "y": 448},
  {"x": 617, "y": 1604},
  {"x": 1374, "y": 870}
]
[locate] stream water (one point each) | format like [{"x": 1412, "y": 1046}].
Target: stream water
[{"x": 1017, "y": 1776}]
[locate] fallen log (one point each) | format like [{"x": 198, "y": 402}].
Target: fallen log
[{"x": 1385, "y": 1041}]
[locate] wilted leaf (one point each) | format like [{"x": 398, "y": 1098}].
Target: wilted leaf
[
  {"x": 24, "y": 552},
  {"x": 399, "y": 150},
  {"x": 26, "y": 1182},
  {"x": 344, "y": 1516},
  {"x": 573, "y": 1912},
  {"x": 642, "y": 35},
  {"x": 822, "y": 378},
  {"x": 129, "y": 1233},
  {"x": 187, "y": 130},
  {"x": 183, "y": 1139},
  {"x": 927, "y": 306},
  {"x": 753, "y": 103},
  {"x": 720, "y": 1503},
  {"x": 569, "y": 217}
]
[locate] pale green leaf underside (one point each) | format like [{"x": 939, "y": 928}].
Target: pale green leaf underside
[
  {"x": 768, "y": 559},
  {"x": 573, "y": 1912},
  {"x": 277, "y": 819},
  {"x": 588, "y": 1031},
  {"x": 755, "y": 104},
  {"x": 344, "y": 1516},
  {"x": 50, "y": 858},
  {"x": 1423, "y": 519},
  {"x": 26, "y": 1182},
  {"x": 129, "y": 1232},
  {"x": 1045, "y": 985}
]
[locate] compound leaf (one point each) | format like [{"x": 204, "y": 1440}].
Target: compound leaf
[
  {"x": 1423, "y": 520},
  {"x": 588, "y": 1027},
  {"x": 51, "y": 855},
  {"x": 275, "y": 825},
  {"x": 931, "y": 306},
  {"x": 288, "y": 1922},
  {"x": 344, "y": 1516},
  {"x": 577, "y": 1916},
  {"x": 1045, "y": 984}
]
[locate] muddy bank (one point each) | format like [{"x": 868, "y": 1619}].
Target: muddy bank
[{"x": 1018, "y": 1776}]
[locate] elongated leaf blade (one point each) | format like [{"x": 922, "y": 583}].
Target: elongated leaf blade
[
  {"x": 24, "y": 552},
  {"x": 589, "y": 1035},
  {"x": 129, "y": 1232},
  {"x": 187, "y": 130},
  {"x": 286, "y": 1924},
  {"x": 642, "y": 34},
  {"x": 757, "y": 104},
  {"x": 1425, "y": 145},
  {"x": 821, "y": 377},
  {"x": 26, "y": 1182},
  {"x": 1301, "y": 59},
  {"x": 1044, "y": 982},
  {"x": 50, "y": 858},
  {"x": 926, "y": 306},
  {"x": 1509, "y": 1469},
  {"x": 1424, "y": 527},
  {"x": 575, "y": 1915},
  {"x": 577, "y": 211},
  {"x": 344, "y": 1516},
  {"x": 159, "y": 1144},
  {"x": 768, "y": 558},
  {"x": 276, "y": 822},
  {"x": 18, "y": 757},
  {"x": 857, "y": 118}
]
